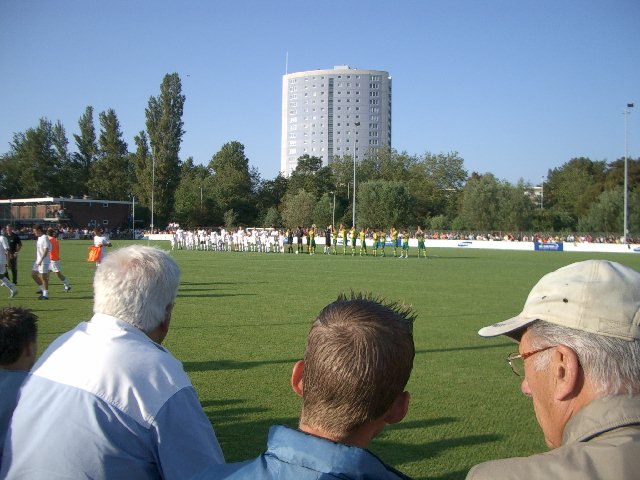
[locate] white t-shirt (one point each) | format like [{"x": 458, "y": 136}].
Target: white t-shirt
[
  {"x": 4, "y": 248},
  {"x": 43, "y": 249}
]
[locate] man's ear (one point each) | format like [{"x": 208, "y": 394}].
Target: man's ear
[
  {"x": 159, "y": 333},
  {"x": 296, "y": 377},
  {"x": 398, "y": 409},
  {"x": 31, "y": 349},
  {"x": 168, "y": 310},
  {"x": 567, "y": 372}
]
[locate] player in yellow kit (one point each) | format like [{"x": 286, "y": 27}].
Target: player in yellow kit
[
  {"x": 354, "y": 236},
  {"x": 363, "y": 242},
  {"x": 394, "y": 240}
]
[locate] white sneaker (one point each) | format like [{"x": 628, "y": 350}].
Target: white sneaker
[{"x": 13, "y": 293}]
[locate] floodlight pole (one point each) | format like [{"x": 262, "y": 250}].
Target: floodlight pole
[
  {"x": 333, "y": 214},
  {"x": 626, "y": 181},
  {"x": 153, "y": 185},
  {"x": 353, "y": 220}
]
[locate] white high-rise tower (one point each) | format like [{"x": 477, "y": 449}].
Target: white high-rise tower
[{"x": 340, "y": 112}]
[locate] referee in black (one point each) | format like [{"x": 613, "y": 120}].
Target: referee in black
[{"x": 15, "y": 244}]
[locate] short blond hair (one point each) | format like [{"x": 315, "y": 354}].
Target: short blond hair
[{"x": 358, "y": 359}]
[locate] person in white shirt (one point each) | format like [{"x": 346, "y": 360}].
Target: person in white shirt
[
  {"x": 100, "y": 240},
  {"x": 40, "y": 270},
  {"x": 106, "y": 400}
]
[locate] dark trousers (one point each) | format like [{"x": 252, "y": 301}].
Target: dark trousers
[{"x": 13, "y": 268}]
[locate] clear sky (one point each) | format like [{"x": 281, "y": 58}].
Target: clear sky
[{"x": 515, "y": 87}]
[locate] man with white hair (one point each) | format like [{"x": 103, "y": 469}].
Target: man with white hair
[
  {"x": 106, "y": 400},
  {"x": 579, "y": 360}
]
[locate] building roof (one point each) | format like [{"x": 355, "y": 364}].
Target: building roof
[{"x": 41, "y": 200}]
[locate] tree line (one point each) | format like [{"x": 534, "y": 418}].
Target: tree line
[{"x": 392, "y": 187}]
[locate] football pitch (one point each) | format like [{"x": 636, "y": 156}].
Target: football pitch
[{"x": 241, "y": 320}]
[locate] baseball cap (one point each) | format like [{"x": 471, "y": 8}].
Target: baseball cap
[{"x": 596, "y": 296}]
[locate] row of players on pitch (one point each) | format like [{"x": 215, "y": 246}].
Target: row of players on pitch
[{"x": 299, "y": 240}]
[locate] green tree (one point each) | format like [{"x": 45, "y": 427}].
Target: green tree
[
  {"x": 230, "y": 219},
  {"x": 382, "y": 203},
  {"x": 194, "y": 202},
  {"x": 481, "y": 203},
  {"x": 270, "y": 193},
  {"x": 111, "y": 172},
  {"x": 606, "y": 215},
  {"x": 436, "y": 183},
  {"x": 297, "y": 209},
  {"x": 570, "y": 190},
  {"x": 311, "y": 176},
  {"x": 385, "y": 164},
  {"x": 36, "y": 166},
  {"x": 517, "y": 209},
  {"x": 322, "y": 211},
  {"x": 164, "y": 128},
  {"x": 272, "y": 218},
  {"x": 10, "y": 173},
  {"x": 615, "y": 173},
  {"x": 233, "y": 181},
  {"x": 342, "y": 172},
  {"x": 68, "y": 183},
  {"x": 87, "y": 153},
  {"x": 141, "y": 159},
  {"x": 439, "y": 223}
]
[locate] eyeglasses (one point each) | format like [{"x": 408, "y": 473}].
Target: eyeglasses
[{"x": 516, "y": 360}]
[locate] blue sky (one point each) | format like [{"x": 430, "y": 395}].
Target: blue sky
[{"x": 515, "y": 87}]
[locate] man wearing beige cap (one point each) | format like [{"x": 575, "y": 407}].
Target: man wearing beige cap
[{"x": 579, "y": 359}]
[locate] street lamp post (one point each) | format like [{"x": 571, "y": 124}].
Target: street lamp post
[
  {"x": 333, "y": 214},
  {"x": 133, "y": 217},
  {"x": 353, "y": 222},
  {"x": 153, "y": 186},
  {"x": 542, "y": 193},
  {"x": 626, "y": 185}
]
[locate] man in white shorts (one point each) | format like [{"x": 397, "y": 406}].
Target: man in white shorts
[
  {"x": 4, "y": 253},
  {"x": 40, "y": 270},
  {"x": 54, "y": 257}
]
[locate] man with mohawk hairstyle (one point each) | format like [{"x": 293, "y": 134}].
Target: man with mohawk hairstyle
[{"x": 357, "y": 362}]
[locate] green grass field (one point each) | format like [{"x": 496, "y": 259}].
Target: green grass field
[{"x": 241, "y": 320}]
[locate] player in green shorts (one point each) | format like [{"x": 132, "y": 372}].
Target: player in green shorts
[
  {"x": 334, "y": 239},
  {"x": 382, "y": 241},
  {"x": 375, "y": 243},
  {"x": 343, "y": 234},
  {"x": 405, "y": 245},
  {"x": 363, "y": 242},
  {"x": 354, "y": 236},
  {"x": 420, "y": 237}
]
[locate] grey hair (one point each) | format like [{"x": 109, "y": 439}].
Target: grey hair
[
  {"x": 611, "y": 364},
  {"x": 136, "y": 284}
]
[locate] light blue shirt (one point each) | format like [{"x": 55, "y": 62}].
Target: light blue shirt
[
  {"x": 292, "y": 454},
  {"x": 104, "y": 401},
  {"x": 10, "y": 381}
]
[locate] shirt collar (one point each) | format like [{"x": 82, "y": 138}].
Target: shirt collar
[
  {"x": 108, "y": 322},
  {"x": 602, "y": 415},
  {"x": 321, "y": 455}
]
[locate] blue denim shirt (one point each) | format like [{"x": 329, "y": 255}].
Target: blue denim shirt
[
  {"x": 292, "y": 454},
  {"x": 10, "y": 382},
  {"x": 106, "y": 402}
]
